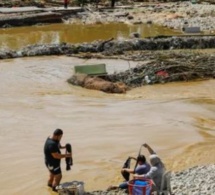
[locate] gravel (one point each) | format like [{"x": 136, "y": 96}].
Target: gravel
[{"x": 198, "y": 180}]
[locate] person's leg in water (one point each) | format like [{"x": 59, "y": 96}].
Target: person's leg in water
[
  {"x": 57, "y": 176},
  {"x": 51, "y": 178},
  {"x": 56, "y": 181}
]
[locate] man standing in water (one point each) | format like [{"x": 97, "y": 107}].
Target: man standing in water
[{"x": 53, "y": 157}]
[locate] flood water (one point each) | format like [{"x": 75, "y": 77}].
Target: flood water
[
  {"x": 15, "y": 38},
  {"x": 176, "y": 119},
  {"x": 104, "y": 129}
]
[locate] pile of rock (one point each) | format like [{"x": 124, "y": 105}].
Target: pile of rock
[
  {"x": 194, "y": 181},
  {"x": 172, "y": 15},
  {"x": 112, "y": 192},
  {"x": 113, "y": 47},
  {"x": 192, "y": 15}
]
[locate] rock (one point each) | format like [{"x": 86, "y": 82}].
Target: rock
[
  {"x": 134, "y": 35},
  {"x": 130, "y": 17},
  {"x": 148, "y": 22}
]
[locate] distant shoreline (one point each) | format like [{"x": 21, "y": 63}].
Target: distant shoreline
[{"x": 171, "y": 15}]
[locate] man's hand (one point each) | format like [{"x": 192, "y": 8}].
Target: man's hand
[
  {"x": 136, "y": 176},
  {"x": 68, "y": 155},
  {"x": 151, "y": 151}
]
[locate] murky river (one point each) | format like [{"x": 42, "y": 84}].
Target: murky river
[
  {"x": 74, "y": 33},
  {"x": 176, "y": 119}
]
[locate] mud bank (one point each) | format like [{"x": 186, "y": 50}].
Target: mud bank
[{"x": 113, "y": 47}]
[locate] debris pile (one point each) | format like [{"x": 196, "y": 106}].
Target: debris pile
[
  {"x": 162, "y": 70},
  {"x": 155, "y": 67}
]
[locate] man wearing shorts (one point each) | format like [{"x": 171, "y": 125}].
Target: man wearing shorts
[{"x": 53, "y": 157}]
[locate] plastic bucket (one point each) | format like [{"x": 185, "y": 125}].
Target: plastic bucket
[{"x": 140, "y": 187}]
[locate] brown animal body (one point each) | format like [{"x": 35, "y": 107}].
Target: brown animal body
[{"x": 97, "y": 83}]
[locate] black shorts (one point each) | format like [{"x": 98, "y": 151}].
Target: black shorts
[{"x": 54, "y": 169}]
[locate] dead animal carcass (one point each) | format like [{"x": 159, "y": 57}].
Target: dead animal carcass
[{"x": 97, "y": 83}]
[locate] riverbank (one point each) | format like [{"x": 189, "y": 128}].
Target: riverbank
[
  {"x": 197, "y": 180},
  {"x": 171, "y": 15},
  {"x": 115, "y": 51}
]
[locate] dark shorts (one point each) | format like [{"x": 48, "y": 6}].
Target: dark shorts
[{"x": 54, "y": 169}]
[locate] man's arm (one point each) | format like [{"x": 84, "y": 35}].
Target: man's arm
[
  {"x": 128, "y": 170},
  {"x": 133, "y": 158},
  {"x": 59, "y": 156},
  {"x": 136, "y": 176},
  {"x": 150, "y": 175},
  {"x": 151, "y": 151},
  {"x": 62, "y": 147}
]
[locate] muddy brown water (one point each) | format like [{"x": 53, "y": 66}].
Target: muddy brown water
[
  {"x": 176, "y": 119},
  {"x": 15, "y": 38}
]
